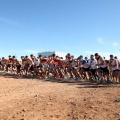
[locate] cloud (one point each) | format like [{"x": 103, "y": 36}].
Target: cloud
[
  {"x": 31, "y": 51},
  {"x": 100, "y": 41},
  {"x": 107, "y": 42},
  {"x": 16, "y": 51},
  {"x": 115, "y": 44},
  {"x": 11, "y": 22},
  {"x": 89, "y": 52}
]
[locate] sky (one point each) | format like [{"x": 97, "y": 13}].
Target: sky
[{"x": 79, "y": 27}]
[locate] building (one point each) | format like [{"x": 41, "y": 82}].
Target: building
[{"x": 48, "y": 53}]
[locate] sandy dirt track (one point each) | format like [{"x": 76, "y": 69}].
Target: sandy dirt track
[{"x": 32, "y": 99}]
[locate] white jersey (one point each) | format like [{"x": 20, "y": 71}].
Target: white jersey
[
  {"x": 114, "y": 64},
  {"x": 36, "y": 62},
  {"x": 66, "y": 62},
  {"x": 93, "y": 64},
  {"x": 74, "y": 63},
  {"x": 101, "y": 66},
  {"x": 118, "y": 64},
  {"x": 87, "y": 64}
]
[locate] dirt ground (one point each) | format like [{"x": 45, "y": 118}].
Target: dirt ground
[{"x": 33, "y": 99}]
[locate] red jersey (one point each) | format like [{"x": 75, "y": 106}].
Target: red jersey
[
  {"x": 43, "y": 60},
  {"x": 58, "y": 62}
]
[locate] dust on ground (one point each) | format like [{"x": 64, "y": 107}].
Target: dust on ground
[{"x": 33, "y": 99}]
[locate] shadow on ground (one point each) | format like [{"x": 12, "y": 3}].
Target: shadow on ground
[{"x": 80, "y": 84}]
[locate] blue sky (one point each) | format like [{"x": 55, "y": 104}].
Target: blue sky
[{"x": 75, "y": 26}]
